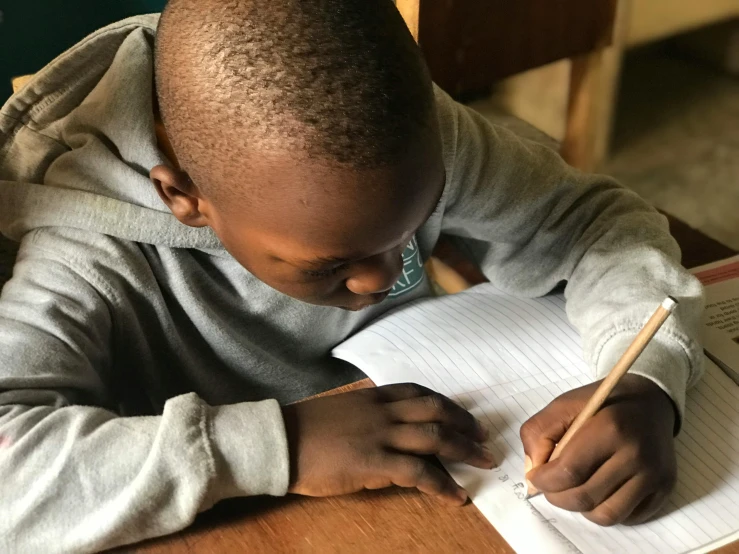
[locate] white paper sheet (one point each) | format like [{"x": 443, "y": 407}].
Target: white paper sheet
[{"x": 506, "y": 358}]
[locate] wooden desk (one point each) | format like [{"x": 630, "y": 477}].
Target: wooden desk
[{"x": 391, "y": 520}]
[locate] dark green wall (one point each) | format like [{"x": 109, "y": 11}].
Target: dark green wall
[{"x": 33, "y": 32}]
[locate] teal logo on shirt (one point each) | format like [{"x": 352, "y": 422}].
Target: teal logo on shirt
[{"x": 413, "y": 272}]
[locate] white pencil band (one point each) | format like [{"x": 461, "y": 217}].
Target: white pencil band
[{"x": 669, "y": 304}]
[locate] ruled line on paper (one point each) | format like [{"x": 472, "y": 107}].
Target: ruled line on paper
[{"x": 505, "y": 359}]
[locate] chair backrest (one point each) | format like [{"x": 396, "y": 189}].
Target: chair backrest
[{"x": 470, "y": 44}]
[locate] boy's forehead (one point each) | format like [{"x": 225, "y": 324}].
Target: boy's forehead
[
  {"x": 286, "y": 182},
  {"x": 305, "y": 211},
  {"x": 318, "y": 235}
]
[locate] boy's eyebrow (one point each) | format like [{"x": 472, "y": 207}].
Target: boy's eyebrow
[
  {"x": 327, "y": 260},
  {"x": 337, "y": 260}
]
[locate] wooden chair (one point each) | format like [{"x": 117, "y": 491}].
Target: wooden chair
[
  {"x": 19, "y": 82},
  {"x": 471, "y": 44}
]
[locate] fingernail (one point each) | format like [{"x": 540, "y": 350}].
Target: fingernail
[
  {"x": 528, "y": 466},
  {"x": 484, "y": 431},
  {"x": 488, "y": 455},
  {"x": 462, "y": 495}
]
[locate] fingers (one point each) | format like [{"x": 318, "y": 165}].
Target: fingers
[
  {"x": 441, "y": 440},
  {"x": 589, "y": 448},
  {"x": 411, "y": 471},
  {"x": 541, "y": 433},
  {"x": 648, "y": 507},
  {"x": 434, "y": 407},
  {"x": 606, "y": 480},
  {"x": 619, "y": 506}
]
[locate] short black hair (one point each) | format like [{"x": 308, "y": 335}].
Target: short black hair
[{"x": 337, "y": 80}]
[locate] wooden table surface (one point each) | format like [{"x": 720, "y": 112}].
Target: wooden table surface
[{"x": 391, "y": 520}]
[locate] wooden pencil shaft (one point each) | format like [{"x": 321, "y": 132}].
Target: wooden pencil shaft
[
  {"x": 619, "y": 370},
  {"x": 614, "y": 376}
]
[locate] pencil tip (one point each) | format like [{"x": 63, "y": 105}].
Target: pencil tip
[{"x": 531, "y": 490}]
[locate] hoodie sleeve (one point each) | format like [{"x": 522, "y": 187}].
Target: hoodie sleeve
[
  {"x": 76, "y": 476},
  {"x": 534, "y": 223}
]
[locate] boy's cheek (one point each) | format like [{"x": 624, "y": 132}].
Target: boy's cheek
[
  {"x": 289, "y": 280},
  {"x": 325, "y": 292}
]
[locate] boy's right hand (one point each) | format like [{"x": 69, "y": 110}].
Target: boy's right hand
[{"x": 375, "y": 438}]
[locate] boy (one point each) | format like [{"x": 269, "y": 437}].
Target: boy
[{"x": 181, "y": 282}]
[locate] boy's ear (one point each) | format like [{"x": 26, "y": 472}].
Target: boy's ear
[{"x": 180, "y": 194}]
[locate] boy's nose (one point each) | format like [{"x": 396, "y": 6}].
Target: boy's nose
[{"x": 376, "y": 274}]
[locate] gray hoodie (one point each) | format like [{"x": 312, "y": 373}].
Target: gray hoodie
[{"x": 142, "y": 368}]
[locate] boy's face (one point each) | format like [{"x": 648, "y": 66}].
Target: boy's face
[{"x": 326, "y": 235}]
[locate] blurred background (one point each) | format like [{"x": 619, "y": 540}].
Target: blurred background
[{"x": 645, "y": 90}]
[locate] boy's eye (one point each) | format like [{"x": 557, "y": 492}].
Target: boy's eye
[{"x": 322, "y": 273}]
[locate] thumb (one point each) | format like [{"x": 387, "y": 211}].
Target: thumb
[{"x": 541, "y": 432}]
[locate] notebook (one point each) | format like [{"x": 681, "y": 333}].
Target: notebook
[{"x": 504, "y": 359}]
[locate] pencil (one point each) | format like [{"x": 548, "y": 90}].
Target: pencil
[{"x": 623, "y": 365}]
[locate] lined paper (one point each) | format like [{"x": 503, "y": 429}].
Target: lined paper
[{"x": 505, "y": 359}]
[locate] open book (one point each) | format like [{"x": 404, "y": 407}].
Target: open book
[
  {"x": 721, "y": 317},
  {"x": 506, "y": 358}
]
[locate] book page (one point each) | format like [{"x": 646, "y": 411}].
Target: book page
[
  {"x": 721, "y": 316},
  {"x": 506, "y": 358}
]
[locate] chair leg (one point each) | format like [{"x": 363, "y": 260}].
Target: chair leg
[
  {"x": 581, "y": 128},
  {"x": 594, "y": 80},
  {"x": 448, "y": 278}
]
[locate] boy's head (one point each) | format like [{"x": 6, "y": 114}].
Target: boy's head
[{"x": 305, "y": 136}]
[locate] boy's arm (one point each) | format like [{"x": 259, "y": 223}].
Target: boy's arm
[
  {"x": 534, "y": 223},
  {"x": 78, "y": 478}
]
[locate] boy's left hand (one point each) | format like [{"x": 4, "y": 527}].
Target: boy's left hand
[{"x": 620, "y": 466}]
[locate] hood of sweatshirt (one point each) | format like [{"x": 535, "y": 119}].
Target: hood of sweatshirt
[{"x": 77, "y": 143}]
